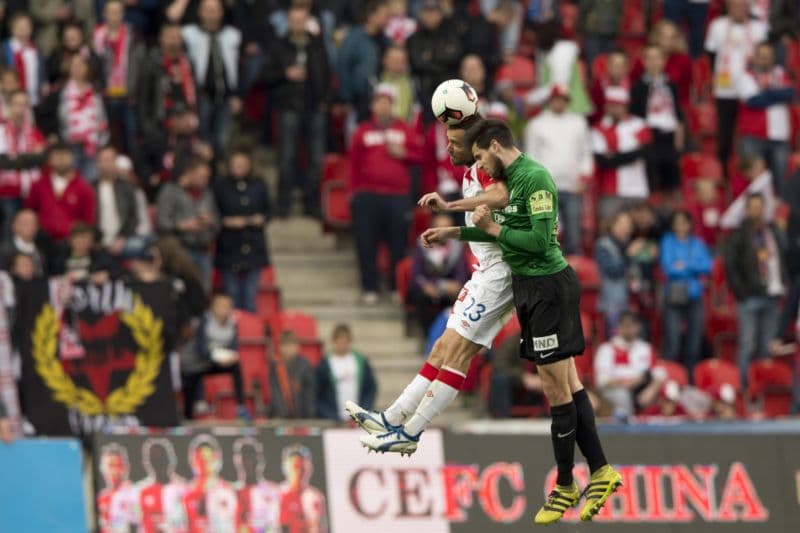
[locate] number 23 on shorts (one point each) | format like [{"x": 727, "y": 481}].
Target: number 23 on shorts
[{"x": 474, "y": 311}]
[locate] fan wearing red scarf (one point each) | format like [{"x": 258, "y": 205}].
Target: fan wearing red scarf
[
  {"x": 114, "y": 42},
  {"x": 622, "y": 366},
  {"x": 21, "y": 154},
  {"x": 82, "y": 117},
  {"x": 21, "y": 54}
]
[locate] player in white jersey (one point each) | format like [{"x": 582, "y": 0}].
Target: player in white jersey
[{"x": 483, "y": 307}]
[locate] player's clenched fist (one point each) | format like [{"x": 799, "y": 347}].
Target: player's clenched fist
[
  {"x": 434, "y": 201},
  {"x": 482, "y": 217},
  {"x": 435, "y": 235}
]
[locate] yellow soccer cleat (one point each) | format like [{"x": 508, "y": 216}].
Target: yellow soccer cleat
[
  {"x": 602, "y": 485},
  {"x": 560, "y": 499}
]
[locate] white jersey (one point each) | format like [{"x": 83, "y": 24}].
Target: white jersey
[
  {"x": 488, "y": 254},
  {"x": 486, "y": 301}
]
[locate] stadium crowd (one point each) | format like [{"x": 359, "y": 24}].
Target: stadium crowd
[{"x": 670, "y": 127}]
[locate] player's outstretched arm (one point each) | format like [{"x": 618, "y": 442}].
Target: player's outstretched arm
[
  {"x": 495, "y": 197},
  {"x": 432, "y": 236}
]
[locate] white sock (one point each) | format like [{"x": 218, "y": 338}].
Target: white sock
[
  {"x": 405, "y": 404},
  {"x": 440, "y": 394}
]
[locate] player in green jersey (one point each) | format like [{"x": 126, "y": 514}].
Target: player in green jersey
[{"x": 547, "y": 298}]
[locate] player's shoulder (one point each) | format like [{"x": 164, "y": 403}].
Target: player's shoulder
[{"x": 482, "y": 177}]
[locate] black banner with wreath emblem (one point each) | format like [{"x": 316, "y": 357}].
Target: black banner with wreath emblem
[{"x": 95, "y": 355}]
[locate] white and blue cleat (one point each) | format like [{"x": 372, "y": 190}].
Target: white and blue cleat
[
  {"x": 373, "y": 422},
  {"x": 393, "y": 441}
]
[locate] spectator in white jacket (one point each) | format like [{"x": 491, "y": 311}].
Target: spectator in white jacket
[
  {"x": 622, "y": 366},
  {"x": 560, "y": 140}
]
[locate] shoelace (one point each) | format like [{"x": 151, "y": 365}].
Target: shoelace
[{"x": 557, "y": 502}]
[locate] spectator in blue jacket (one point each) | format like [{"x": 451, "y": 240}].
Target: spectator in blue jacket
[
  {"x": 613, "y": 255},
  {"x": 344, "y": 374},
  {"x": 359, "y": 58},
  {"x": 684, "y": 260}
]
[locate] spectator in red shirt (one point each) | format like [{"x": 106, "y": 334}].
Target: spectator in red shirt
[
  {"x": 61, "y": 197},
  {"x": 383, "y": 149}
]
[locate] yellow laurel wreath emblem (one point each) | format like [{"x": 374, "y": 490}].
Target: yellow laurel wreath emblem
[{"x": 146, "y": 331}]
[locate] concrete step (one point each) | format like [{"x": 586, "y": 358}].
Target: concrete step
[
  {"x": 348, "y": 312},
  {"x": 298, "y": 234},
  {"x": 322, "y": 296},
  {"x": 369, "y": 329},
  {"x": 315, "y": 260},
  {"x": 304, "y": 279}
]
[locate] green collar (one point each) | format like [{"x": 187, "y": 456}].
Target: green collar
[{"x": 510, "y": 169}]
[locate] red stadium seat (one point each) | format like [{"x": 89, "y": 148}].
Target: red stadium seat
[
  {"x": 520, "y": 71},
  {"x": 251, "y": 327},
  {"x": 335, "y": 193},
  {"x": 770, "y": 383},
  {"x": 599, "y": 66},
  {"x": 267, "y": 278},
  {"x": 402, "y": 277},
  {"x": 419, "y": 223},
  {"x": 268, "y": 302},
  {"x": 634, "y": 20},
  {"x": 303, "y": 325},
  {"x": 703, "y": 120},
  {"x": 711, "y": 374},
  {"x": 675, "y": 371},
  {"x": 725, "y": 346},
  {"x": 336, "y": 196},
  {"x": 586, "y": 269},
  {"x": 702, "y": 80},
  {"x": 698, "y": 165}
]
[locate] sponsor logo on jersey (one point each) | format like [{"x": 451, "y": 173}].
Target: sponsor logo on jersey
[{"x": 541, "y": 202}]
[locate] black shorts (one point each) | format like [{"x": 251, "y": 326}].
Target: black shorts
[{"x": 548, "y": 308}]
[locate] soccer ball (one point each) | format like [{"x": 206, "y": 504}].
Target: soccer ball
[{"x": 453, "y": 101}]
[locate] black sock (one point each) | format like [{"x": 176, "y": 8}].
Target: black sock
[
  {"x": 562, "y": 432},
  {"x": 586, "y": 436}
]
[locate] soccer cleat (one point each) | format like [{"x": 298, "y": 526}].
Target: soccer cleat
[
  {"x": 396, "y": 440},
  {"x": 373, "y": 422},
  {"x": 560, "y": 499},
  {"x": 602, "y": 485}
]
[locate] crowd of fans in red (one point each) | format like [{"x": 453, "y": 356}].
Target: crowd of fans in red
[{"x": 117, "y": 119}]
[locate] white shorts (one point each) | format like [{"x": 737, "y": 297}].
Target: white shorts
[{"x": 483, "y": 307}]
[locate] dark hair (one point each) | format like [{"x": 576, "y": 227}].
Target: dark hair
[
  {"x": 59, "y": 146},
  {"x": 490, "y": 130},
  {"x": 681, "y": 213},
  {"x": 220, "y": 294},
  {"x": 288, "y": 337},
  {"x": 747, "y": 162},
  {"x": 241, "y": 149},
  {"x": 80, "y": 228},
  {"x": 74, "y": 24},
  {"x": 754, "y": 196},
  {"x": 170, "y": 25},
  {"x": 371, "y": 7},
  {"x": 19, "y": 15},
  {"x": 629, "y": 315},
  {"x": 341, "y": 329}
]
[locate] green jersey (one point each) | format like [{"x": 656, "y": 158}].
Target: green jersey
[{"x": 529, "y": 238}]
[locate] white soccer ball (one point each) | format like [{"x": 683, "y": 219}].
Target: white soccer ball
[{"x": 453, "y": 101}]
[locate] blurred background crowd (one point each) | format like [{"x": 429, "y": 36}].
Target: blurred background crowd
[{"x": 153, "y": 138}]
